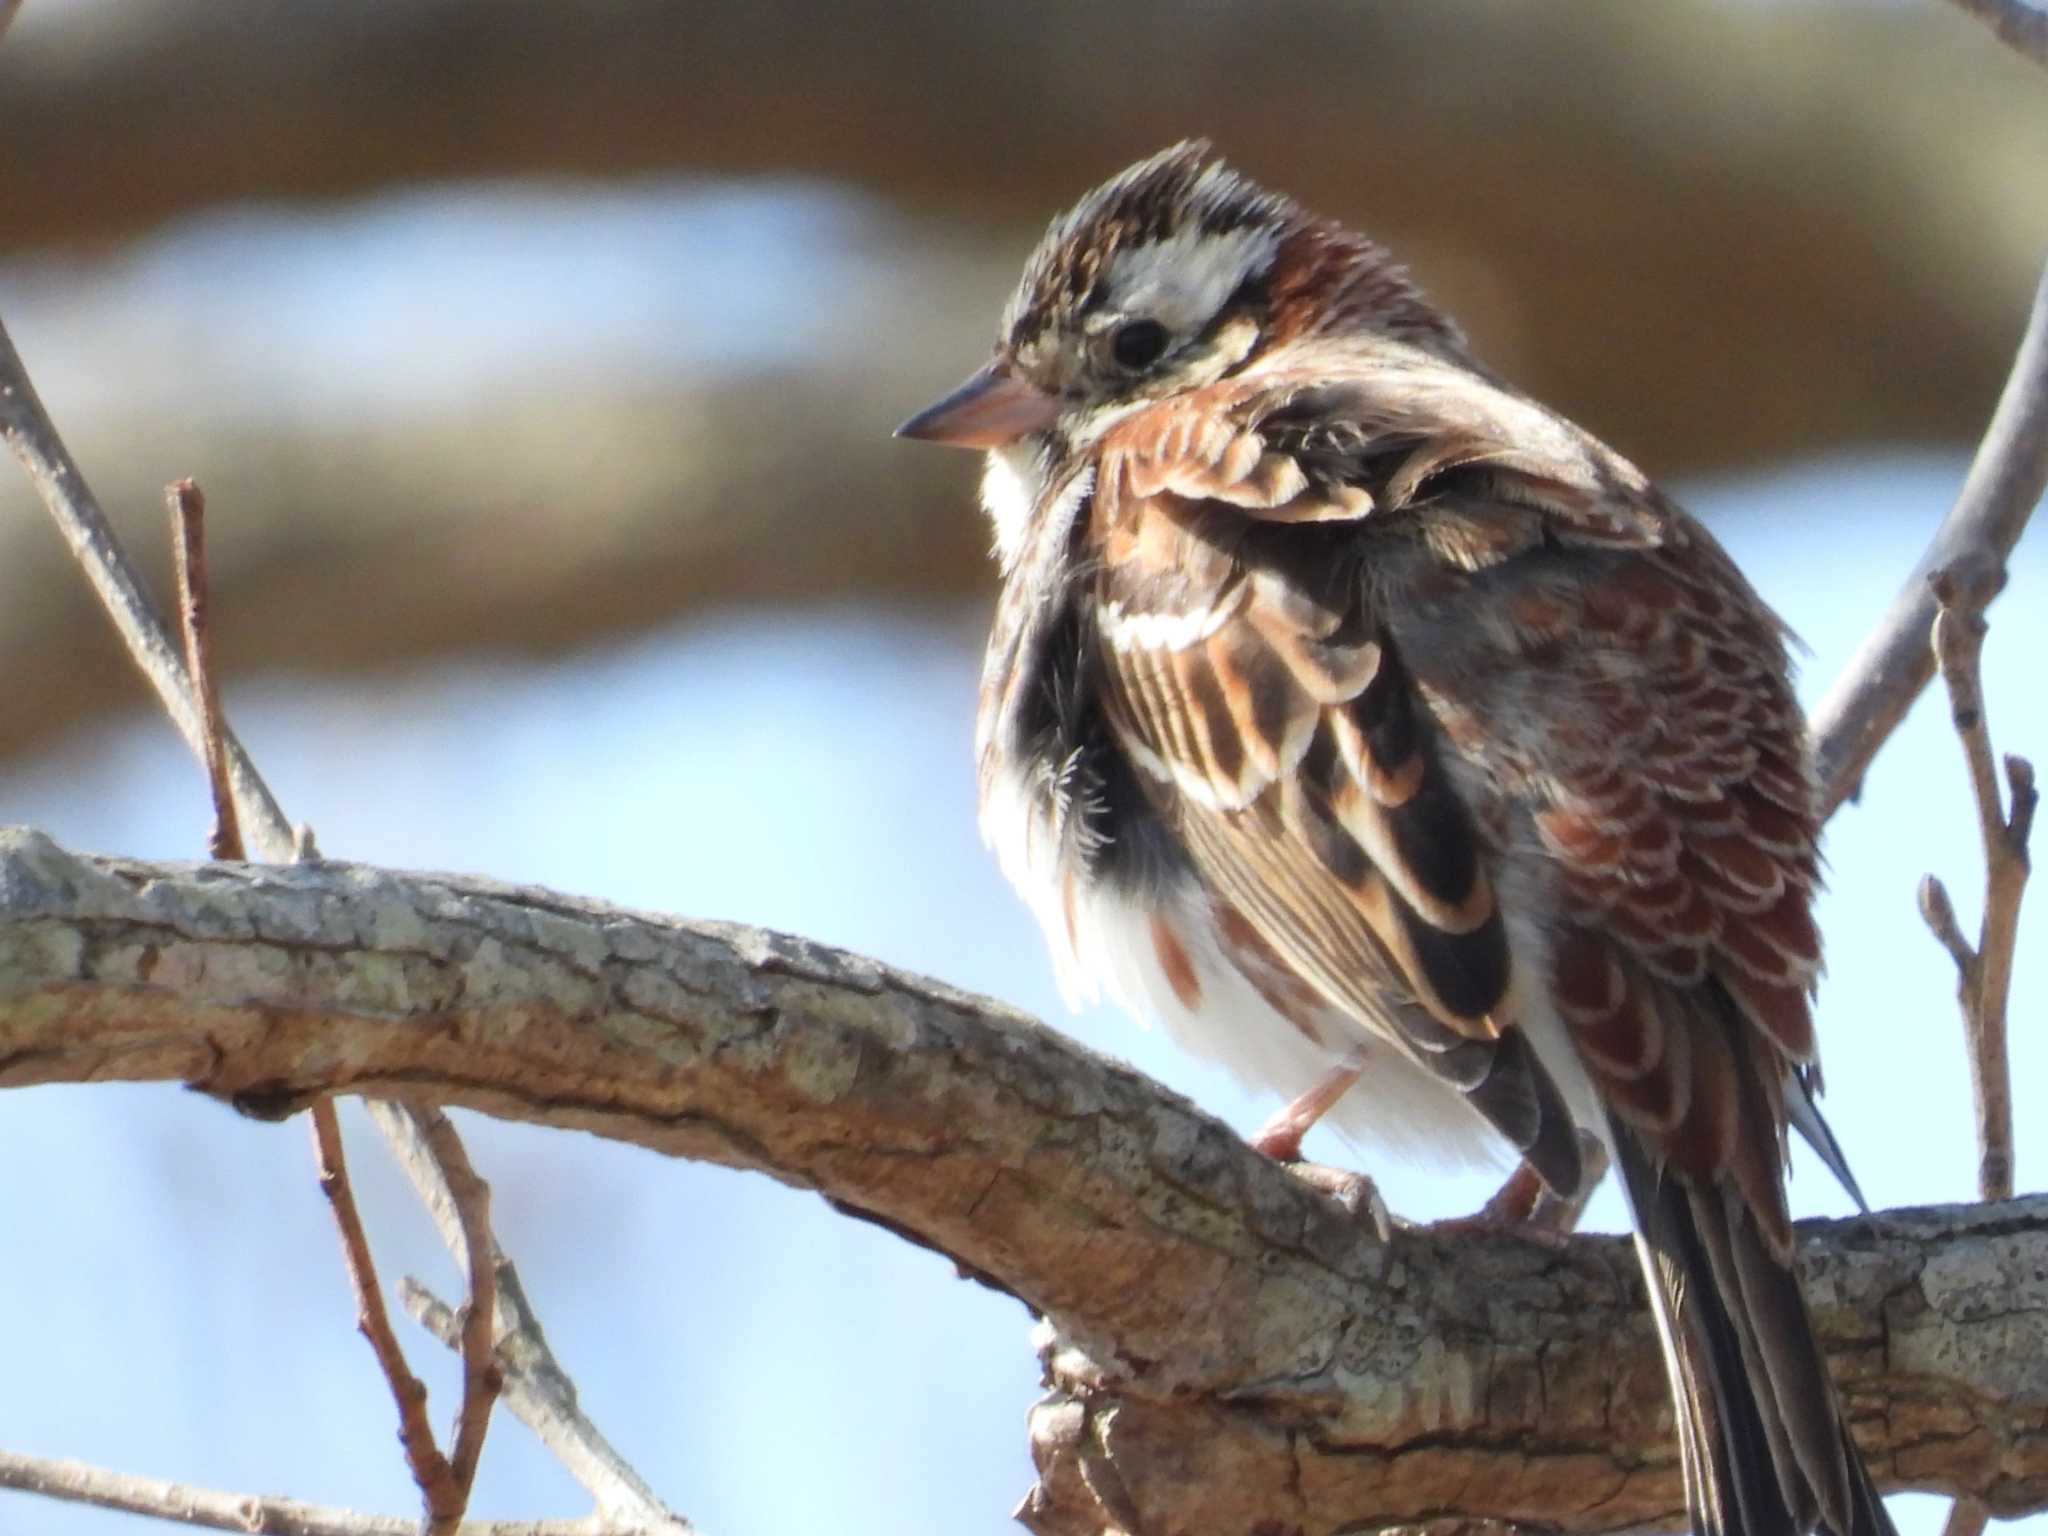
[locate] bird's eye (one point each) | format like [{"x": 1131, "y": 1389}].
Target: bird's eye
[{"x": 1138, "y": 344}]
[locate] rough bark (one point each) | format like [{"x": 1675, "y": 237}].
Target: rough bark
[{"x": 1227, "y": 1349}]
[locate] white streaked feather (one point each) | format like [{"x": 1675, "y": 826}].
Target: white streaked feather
[
  {"x": 1164, "y": 630},
  {"x": 1012, "y": 480}
]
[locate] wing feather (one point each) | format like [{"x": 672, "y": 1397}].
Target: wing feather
[{"x": 1283, "y": 739}]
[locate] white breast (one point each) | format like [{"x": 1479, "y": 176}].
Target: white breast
[{"x": 1012, "y": 480}]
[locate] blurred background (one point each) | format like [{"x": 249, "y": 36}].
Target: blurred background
[{"x": 539, "y": 362}]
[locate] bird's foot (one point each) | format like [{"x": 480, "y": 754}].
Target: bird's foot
[
  {"x": 1354, "y": 1191},
  {"x": 1527, "y": 1207}
]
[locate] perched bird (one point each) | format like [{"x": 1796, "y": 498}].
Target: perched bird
[{"x": 1401, "y": 745}]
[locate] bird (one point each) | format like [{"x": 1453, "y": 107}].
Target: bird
[{"x": 1401, "y": 745}]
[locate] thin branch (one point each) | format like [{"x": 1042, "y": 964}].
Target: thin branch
[
  {"x": 535, "y": 1398},
  {"x": 34, "y": 440},
  {"x": 2020, "y": 26},
  {"x": 250, "y": 1513},
  {"x": 1983, "y": 970},
  {"x": 444, "y": 1483},
  {"x": 536, "y": 1387},
  {"x": 187, "y": 504},
  {"x": 430, "y": 1469},
  {"x": 2004, "y": 485},
  {"x": 1983, "y": 973},
  {"x": 470, "y": 1198}
]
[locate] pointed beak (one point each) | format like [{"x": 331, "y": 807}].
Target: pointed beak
[{"x": 994, "y": 407}]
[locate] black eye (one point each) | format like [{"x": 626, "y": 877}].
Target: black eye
[{"x": 1138, "y": 344}]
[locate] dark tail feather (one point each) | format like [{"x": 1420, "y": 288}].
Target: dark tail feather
[{"x": 1761, "y": 1434}]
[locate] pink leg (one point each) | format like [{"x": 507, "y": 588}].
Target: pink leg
[
  {"x": 1525, "y": 1203},
  {"x": 1280, "y": 1137}
]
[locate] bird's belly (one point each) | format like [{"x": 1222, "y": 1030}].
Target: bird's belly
[{"x": 1168, "y": 955}]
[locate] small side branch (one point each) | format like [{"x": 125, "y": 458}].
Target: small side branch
[
  {"x": 430, "y": 1469},
  {"x": 248, "y": 1513},
  {"x": 1983, "y": 970},
  {"x": 33, "y": 438},
  {"x": 470, "y": 1198},
  {"x": 244, "y": 806},
  {"x": 187, "y": 504},
  {"x": 535, "y": 1387},
  {"x": 2005, "y": 484},
  {"x": 534, "y": 1391}
]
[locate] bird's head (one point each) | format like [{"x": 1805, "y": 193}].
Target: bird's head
[{"x": 1174, "y": 274}]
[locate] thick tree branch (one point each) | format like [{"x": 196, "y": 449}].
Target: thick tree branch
[
  {"x": 2004, "y": 486},
  {"x": 1204, "y": 1307}
]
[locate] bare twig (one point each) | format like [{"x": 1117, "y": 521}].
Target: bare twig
[
  {"x": 2020, "y": 26},
  {"x": 2003, "y": 487},
  {"x": 536, "y": 1397},
  {"x": 34, "y": 440},
  {"x": 1983, "y": 970},
  {"x": 187, "y": 505},
  {"x": 250, "y": 1513},
  {"x": 535, "y": 1386},
  {"x": 444, "y": 1483},
  {"x": 430, "y": 1468},
  {"x": 470, "y": 1197}
]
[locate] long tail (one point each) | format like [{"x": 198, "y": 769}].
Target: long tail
[{"x": 1761, "y": 1435}]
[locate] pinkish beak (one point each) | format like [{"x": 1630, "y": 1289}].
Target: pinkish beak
[{"x": 993, "y": 408}]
